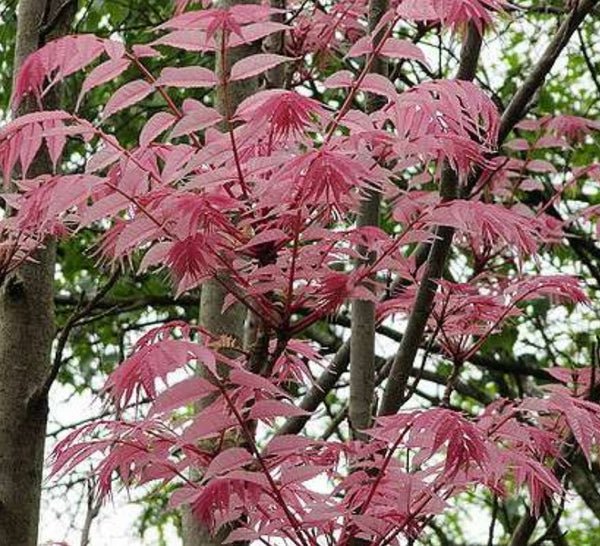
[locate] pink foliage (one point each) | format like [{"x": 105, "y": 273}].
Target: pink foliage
[{"x": 264, "y": 201}]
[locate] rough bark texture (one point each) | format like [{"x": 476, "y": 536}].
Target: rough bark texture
[
  {"x": 26, "y": 333},
  {"x": 362, "y": 341},
  {"x": 231, "y": 322}
]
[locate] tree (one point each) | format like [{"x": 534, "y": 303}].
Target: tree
[
  {"x": 27, "y": 329},
  {"x": 266, "y": 207}
]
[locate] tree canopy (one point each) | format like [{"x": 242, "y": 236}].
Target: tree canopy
[{"x": 403, "y": 209}]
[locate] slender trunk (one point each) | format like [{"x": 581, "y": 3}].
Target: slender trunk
[
  {"x": 229, "y": 323},
  {"x": 27, "y": 331},
  {"x": 394, "y": 393},
  {"x": 362, "y": 341},
  {"x": 212, "y": 317},
  {"x": 276, "y": 44},
  {"x": 363, "y": 320}
]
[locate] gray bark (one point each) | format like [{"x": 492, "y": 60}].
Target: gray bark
[
  {"x": 517, "y": 107},
  {"x": 362, "y": 340},
  {"x": 275, "y": 44},
  {"x": 317, "y": 393},
  {"x": 585, "y": 485},
  {"x": 26, "y": 331}
]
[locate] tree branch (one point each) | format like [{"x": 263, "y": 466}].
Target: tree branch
[
  {"x": 569, "y": 452},
  {"x": 339, "y": 365},
  {"x": 318, "y": 392},
  {"x": 585, "y": 485},
  {"x": 68, "y": 300},
  {"x": 517, "y": 107},
  {"x": 63, "y": 338},
  {"x": 588, "y": 61},
  {"x": 393, "y": 395},
  {"x": 394, "y": 392},
  {"x": 517, "y": 366}
]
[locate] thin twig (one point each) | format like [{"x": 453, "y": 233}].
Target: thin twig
[{"x": 79, "y": 313}]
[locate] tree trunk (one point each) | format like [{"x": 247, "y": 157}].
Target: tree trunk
[
  {"x": 26, "y": 332},
  {"x": 230, "y": 323},
  {"x": 362, "y": 340}
]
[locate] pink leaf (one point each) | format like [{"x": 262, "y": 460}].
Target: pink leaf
[
  {"x": 54, "y": 62},
  {"x": 128, "y": 95},
  {"x": 189, "y": 76},
  {"x": 243, "y": 378},
  {"x": 402, "y": 49},
  {"x": 106, "y": 72},
  {"x": 196, "y": 118},
  {"x": 452, "y": 13},
  {"x": 343, "y": 78},
  {"x": 540, "y": 166},
  {"x": 393, "y": 48},
  {"x": 517, "y": 144},
  {"x": 104, "y": 157},
  {"x": 286, "y": 444},
  {"x": 380, "y": 85},
  {"x": 256, "y": 64},
  {"x": 181, "y": 394},
  {"x": 143, "y": 50},
  {"x": 188, "y": 40},
  {"x": 230, "y": 459},
  {"x": 268, "y": 409},
  {"x": 303, "y": 473},
  {"x": 31, "y": 140},
  {"x": 361, "y": 47},
  {"x": 256, "y": 31},
  {"x": 156, "y": 125},
  {"x": 208, "y": 424},
  {"x": 108, "y": 206}
]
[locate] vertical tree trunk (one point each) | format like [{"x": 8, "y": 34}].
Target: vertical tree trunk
[
  {"x": 212, "y": 318},
  {"x": 362, "y": 341},
  {"x": 26, "y": 332}
]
